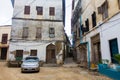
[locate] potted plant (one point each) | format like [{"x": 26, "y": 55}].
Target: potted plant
[
  {"x": 117, "y": 58},
  {"x": 103, "y": 64}
]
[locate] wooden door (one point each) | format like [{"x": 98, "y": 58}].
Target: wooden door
[
  {"x": 3, "y": 53},
  {"x": 50, "y": 54}
]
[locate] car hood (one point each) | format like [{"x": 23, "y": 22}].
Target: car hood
[{"x": 29, "y": 63}]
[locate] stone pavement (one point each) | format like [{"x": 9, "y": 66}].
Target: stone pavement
[{"x": 69, "y": 63}]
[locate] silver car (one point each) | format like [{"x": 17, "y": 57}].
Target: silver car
[{"x": 30, "y": 63}]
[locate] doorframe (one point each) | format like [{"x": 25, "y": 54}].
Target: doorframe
[{"x": 53, "y": 47}]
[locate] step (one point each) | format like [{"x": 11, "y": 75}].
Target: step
[{"x": 50, "y": 65}]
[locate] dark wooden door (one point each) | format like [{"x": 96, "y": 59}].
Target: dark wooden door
[
  {"x": 3, "y": 53},
  {"x": 50, "y": 54},
  {"x": 113, "y": 49}
]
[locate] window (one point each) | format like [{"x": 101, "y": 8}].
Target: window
[
  {"x": 25, "y": 32},
  {"x": 82, "y": 28},
  {"x": 19, "y": 54},
  {"x": 39, "y": 10},
  {"x": 51, "y": 32},
  {"x": 4, "y": 38},
  {"x": 33, "y": 53},
  {"x": 119, "y": 3},
  {"x": 103, "y": 10},
  {"x": 38, "y": 32},
  {"x": 27, "y": 10},
  {"x": 94, "y": 19},
  {"x": 73, "y": 4},
  {"x": 87, "y": 25},
  {"x": 51, "y": 11}
]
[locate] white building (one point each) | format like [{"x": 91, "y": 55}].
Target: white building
[{"x": 38, "y": 30}]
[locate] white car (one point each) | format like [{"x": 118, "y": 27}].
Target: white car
[{"x": 30, "y": 63}]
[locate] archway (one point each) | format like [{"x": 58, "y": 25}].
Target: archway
[{"x": 50, "y": 54}]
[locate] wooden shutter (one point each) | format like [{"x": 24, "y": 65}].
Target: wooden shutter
[
  {"x": 100, "y": 10},
  {"x": 38, "y": 32},
  {"x": 27, "y": 10},
  {"x": 39, "y": 10},
  {"x": 105, "y": 10},
  {"x": 51, "y": 11},
  {"x": 25, "y": 32},
  {"x": 4, "y": 38},
  {"x": 19, "y": 55}
]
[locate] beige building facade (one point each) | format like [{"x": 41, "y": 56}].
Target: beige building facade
[{"x": 5, "y": 32}]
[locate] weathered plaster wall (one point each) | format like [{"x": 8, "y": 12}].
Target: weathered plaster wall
[
  {"x": 20, "y": 4},
  {"x": 18, "y": 25},
  {"x": 109, "y": 30}
]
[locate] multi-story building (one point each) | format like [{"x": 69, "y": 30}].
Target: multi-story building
[
  {"x": 38, "y": 30},
  {"x": 5, "y": 32},
  {"x": 79, "y": 51},
  {"x": 99, "y": 30}
]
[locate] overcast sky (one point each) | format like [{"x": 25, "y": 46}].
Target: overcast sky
[
  {"x": 68, "y": 17},
  {"x": 6, "y": 11}
]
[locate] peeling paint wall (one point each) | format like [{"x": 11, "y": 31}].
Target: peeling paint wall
[
  {"x": 20, "y": 4},
  {"x": 32, "y": 21}
]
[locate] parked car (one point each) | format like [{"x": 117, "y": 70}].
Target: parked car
[{"x": 30, "y": 63}]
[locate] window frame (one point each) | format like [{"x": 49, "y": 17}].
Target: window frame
[
  {"x": 51, "y": 32},
  {"x": 27, "y": 10},
  {"x": 105, "y": 11},
  {"x": 39, "y": 10},
  {"x": 4, "y": 38},
  {"x": 32, "y": 52},
  {"x": 87, "y": 25},
  {"x": 52, "y": 11},
  {"x": 94, "y": 19}
]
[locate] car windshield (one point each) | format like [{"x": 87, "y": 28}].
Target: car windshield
[{"x": 31, "y": 59}]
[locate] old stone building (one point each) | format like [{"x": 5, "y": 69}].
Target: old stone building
[
  {"x": 99, "y": 30},
  {"x": 38, "y": 30},
  {"x": 4, "y": 43}
]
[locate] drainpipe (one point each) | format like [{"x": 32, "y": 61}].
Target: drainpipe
[{"x": 87, "y": 43}]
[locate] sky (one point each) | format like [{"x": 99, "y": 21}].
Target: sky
[
  {"x": 6, "y": 13},
  {"x": 68, "y": 17}
]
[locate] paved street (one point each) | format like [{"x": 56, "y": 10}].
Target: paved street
[{"x": 48, "y": 73}]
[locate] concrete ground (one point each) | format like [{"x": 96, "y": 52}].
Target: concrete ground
[{"x": 48, "y": 73}]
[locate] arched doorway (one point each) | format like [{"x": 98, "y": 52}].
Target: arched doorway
[{"x": 50, "y": 54}]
